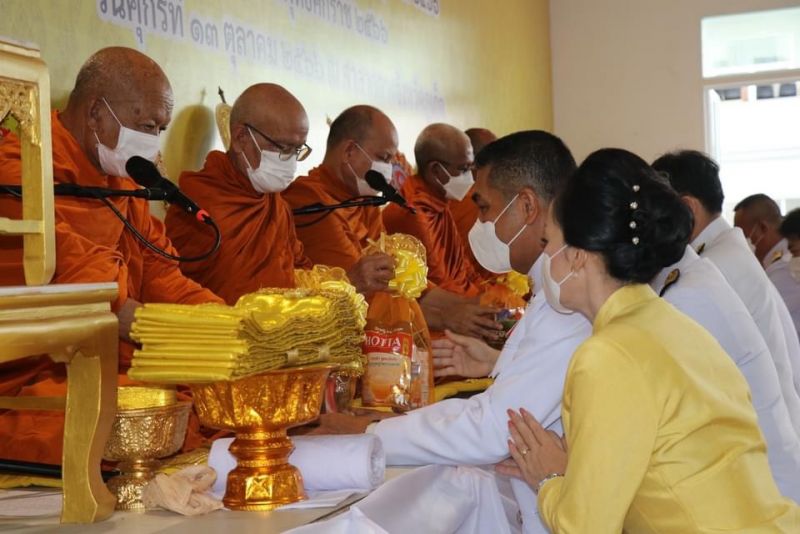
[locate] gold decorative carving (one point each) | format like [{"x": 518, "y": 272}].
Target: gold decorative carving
[
  {"x": 21, "y": 100},
  {"x": 260, "y": 409},
  {"x": 139, "y": 437}
]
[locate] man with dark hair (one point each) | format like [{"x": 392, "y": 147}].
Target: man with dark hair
[
  {"x": 695, "y": 177},
  {"x": 760, "y": 219},
  {"x": 517, "y": 177},
  {"x": 790, "y": 229}
]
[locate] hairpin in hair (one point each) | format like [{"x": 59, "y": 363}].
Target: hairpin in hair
[{"x": 634, "y": 205}]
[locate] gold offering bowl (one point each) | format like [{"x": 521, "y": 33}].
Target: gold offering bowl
[
  {"x": 139, "y": 437},
  {"x": 260, "y": 409}
]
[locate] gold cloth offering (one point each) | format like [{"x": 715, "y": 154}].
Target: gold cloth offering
[
  {"x": 142, "y": 435},
  {"x": 260, "y": 409},
  {"x": 266, "y": 330}
]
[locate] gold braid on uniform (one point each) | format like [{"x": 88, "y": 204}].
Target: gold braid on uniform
[{"x": 672, "y": 278}]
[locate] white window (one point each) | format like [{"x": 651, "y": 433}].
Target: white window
[{"x": 751, "y": 66}]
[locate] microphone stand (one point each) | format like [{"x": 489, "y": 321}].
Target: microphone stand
[
  {"x": 351, "y": 203},
  {"x": 73, "y": 190}
]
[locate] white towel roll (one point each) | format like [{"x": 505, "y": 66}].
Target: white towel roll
[{"x": 326, "y": 462}]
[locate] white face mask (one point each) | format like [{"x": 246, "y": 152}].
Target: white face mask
[
  {"x": 458, "y": 186},
  {"x": 751, "y": 244},
  {"x": 489, "y": 250},
  {"x": 273, "y": 174},
  {"x": 129, "y": 143},
  {"x": 794, "y": 268},
  {"x": 381, "y": 167},
  {"x": 552, "y": 289}
]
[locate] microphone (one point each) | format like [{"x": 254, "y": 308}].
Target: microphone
[
  {"x": 377, "y": 182},
  {"x": 145, "y": 173}
]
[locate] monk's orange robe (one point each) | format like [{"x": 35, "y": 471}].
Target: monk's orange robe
[
  {"x": 92, "y": 245},
  {"x": 465, "y": 213},
  {"x": 259, "y": 244},
  {"x": 449, "y": 265},
  {"x": 339, "y": 238}
]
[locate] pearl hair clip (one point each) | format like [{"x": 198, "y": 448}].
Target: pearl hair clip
[{"x": 634, "y": 206}]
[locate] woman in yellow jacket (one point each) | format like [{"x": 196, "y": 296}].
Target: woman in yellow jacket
[{"x": 660, "y": 434}]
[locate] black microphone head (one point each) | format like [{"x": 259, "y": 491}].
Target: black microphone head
[
  {"x": 377, "y": 182},
  {"x": 143, "y": 171}
]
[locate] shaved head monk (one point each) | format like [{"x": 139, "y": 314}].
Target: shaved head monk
[
  {"x": 241, "y": 191},
  {"x": 444, "y": 158},
  {"x": 465, "y": 212},
  {"x": 121, "y": 102},
  {"x": 361, "y": 138}
]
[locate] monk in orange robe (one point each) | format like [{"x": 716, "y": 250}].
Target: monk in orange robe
[
  {"x": 444, "y": 155},
  {"x": 119, "y": 94},
  {"x": 241, "y": 191},
  {"x": 464, "y": 211},
  {"x": 363, "y": 138},
  {"x": 358, "y": 137}
]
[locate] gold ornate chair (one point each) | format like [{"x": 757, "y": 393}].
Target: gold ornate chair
[{"x": 72, "y": 323}]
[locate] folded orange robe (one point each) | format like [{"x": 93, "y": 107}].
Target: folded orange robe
[
  {"x": 92, "y": 245},
  {"x": 338, "y": 239},
  {"x": 449, "y": 264},
  {"x": 259, "y": 244}
]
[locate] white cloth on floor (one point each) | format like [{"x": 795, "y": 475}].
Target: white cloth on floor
[
  {"x": 435, "y": 499},
  {"x": 326, "y": 462}
]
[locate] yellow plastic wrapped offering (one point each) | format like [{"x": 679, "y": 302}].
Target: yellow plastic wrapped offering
[{"x": 411, "y": 271}]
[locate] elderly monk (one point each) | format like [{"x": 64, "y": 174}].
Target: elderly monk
[
  {"x": 241, "y": 190},
  {"x": 444, "y": 161},
  {"x": 121, "y": 102},
  {"x": 465, "y": 211},
  {"x": 362, "y": 138}
]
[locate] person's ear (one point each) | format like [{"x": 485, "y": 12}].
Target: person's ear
[
  {"x": 531, "y": 205},
  {"x": 577, "y": 258},
  {"x": 437, "y": 171},
  {"x": 93, "y": 113},
  {"x": 239, "y": 136},
  {"x": 349, "y": 149}
]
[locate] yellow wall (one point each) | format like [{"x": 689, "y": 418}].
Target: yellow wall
[{"x": 476, "y": 63}]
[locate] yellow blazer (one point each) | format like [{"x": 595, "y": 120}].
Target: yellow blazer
[{"x": 662, "y": 436}]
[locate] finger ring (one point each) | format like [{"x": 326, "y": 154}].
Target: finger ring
[{"x": 524, "y": 451}]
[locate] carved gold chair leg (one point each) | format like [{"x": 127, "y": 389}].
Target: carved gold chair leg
[{"x": 92, "y": 371}]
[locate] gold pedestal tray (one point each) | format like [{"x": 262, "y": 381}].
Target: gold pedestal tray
[
  {"x": 260, "y": 409},
  {"x": 139, "y": 437}
]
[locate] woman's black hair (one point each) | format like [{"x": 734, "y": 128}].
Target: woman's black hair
[{"x": 617, "y": 205}]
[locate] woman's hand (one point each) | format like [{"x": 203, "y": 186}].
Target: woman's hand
[
  {"x": 465, "y": 356},
  {"x": 535, "y": 452}
]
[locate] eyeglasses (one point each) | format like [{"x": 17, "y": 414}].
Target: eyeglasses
[
  {"x": 285, "y": 153},
  {"x": 460, "y": 168}
]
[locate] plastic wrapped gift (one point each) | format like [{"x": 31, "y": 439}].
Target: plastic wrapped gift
[{"x": 411, "y": 271}]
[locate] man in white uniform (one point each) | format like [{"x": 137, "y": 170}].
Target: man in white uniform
[
  {"x": 517, "y": 178},
  {"x": 695, "y": 177},
  {"x": 760, "y": 219},
  {"x": 697, "y": 288}
]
